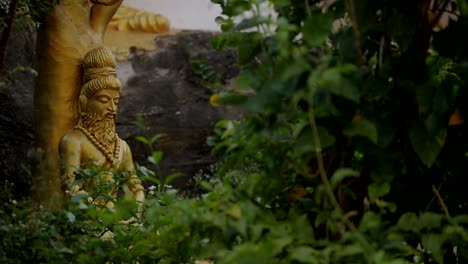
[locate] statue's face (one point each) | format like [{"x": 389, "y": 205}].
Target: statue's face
[{"x": 104, "y": 103}]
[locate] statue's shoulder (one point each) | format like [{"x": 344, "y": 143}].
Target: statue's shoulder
[
  {"x": 73, "y": 134},
  {"x": 125, "y": 146},
  {"x": 126, "y": 151},
  {"x": 72, "y": 138}
]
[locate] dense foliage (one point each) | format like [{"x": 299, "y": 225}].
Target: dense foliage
[
  {"x": 357, "y": 114},
  {"x": 353, "y": 151}
]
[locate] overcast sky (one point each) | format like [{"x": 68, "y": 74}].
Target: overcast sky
[{"x": 183, "y": 14}]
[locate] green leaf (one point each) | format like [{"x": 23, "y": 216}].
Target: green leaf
[
  {"x": 433, "y": 243},
  {"x": 439, "y": 102},
  {"x": 317, "y": 28},
  {"x": 244, "y": 81},
  {"x": 304, "y": 254},
  {"x": 298, "y": 127},
  {"x": 157, "y": 137},
  {"x": 342, "y": 174},
  {"x": 218, "y": 42},
  {"x": 302, "y": 229},
  {"x": 345, "y": 43},
  {"x": 369, "y": 221},
  {"x": 219, "y": 20},
  {"x": 326, "y": 108},
  {"x": 155, "y": 157},
  {"x": 206, "y": 185},
  {"x": 249, "y": 252},
  {"x": 427, "y": 146},
  {"x": 78, "y": 197},
  {"x": 461, "y": 219},
  {"x": 409, "y": 222},
  {"x": 234, "y": 211},
  {"x": 430, "y": 221},
  {"x": 349, "y": 250},
  {"x": 363, "y": 128},
  {"x": 232, "y": 98},
  {"x": 172, "y": 177},
  {"x": 249, "y": 23},
  {"x": 277, "y": 245},
  {"x": 71, "y": 217},
  {"x": 385, "y": 135},
  {"x": 249, "y": 46},
  {"x": 145, "y": 172},
  {"x": 381, "y": 258},
  {"x": 377, "y": 190},
  {"x": 332, "y": 80},
  {"x": 143, "y": 140},
  {"x": 294, "y": 69},
  {"x": 305, "y": 142}
]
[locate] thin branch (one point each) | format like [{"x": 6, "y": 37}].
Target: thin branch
[
  {"x": 327, "y": 185},
  {"x": 307, "y": 8},
  {"x": 441, "y": 201},
  {"x": 430, "y": 202},
  {"x": 320, "y": 163},
  {"x": 381, "y": 52},
  {"x": 321, "y": 168},
  {"x": 357, "y": 34},
  {"x": 385, "y": 47}
]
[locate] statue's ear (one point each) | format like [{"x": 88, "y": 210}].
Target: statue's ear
[{"x": 82, "y": 104}]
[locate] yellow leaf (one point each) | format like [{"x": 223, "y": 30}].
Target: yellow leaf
[
  {"x": 234, "y": 211},
  {"x": 456, "y": 118},
  {"x": 214, "y": 100}
]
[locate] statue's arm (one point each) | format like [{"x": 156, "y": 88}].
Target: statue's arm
[
  {"x": 101, "y": 14},
  {"x": 133, "y": 182},
  {"x": 69, "y": 150}
]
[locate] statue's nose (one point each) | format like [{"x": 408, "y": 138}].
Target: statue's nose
[{"x": 112, "y": 106}]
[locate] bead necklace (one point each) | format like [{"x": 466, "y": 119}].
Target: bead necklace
[{"x": 111, "y": 157}]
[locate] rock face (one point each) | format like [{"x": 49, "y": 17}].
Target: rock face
[
  {"x": 161, "y": 87},
  {"x": 16, "y": 114}
]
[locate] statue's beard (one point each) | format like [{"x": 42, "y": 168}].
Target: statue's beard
[{"x": 102, "y": 128}]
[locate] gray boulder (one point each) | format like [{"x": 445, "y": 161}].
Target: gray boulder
[{"x": 161, "y": 87}]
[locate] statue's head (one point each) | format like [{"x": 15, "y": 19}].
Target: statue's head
[{"x": 100, "y": 92}]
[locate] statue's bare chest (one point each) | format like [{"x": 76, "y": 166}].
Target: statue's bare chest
[{"x": 93, "y": 156}]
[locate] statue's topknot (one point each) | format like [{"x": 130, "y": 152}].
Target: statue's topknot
[{"x": 99, "y": 58}]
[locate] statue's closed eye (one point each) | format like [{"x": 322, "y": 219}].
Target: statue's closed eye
[{"x": 103, "y": 98}]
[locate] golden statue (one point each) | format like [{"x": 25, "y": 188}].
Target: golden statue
[
  {"x": 133, "y": 28},
  {"x": 129, "y": 19},
  {"x": 70, "y": 30},
  {"x": 94, "y": 142}
]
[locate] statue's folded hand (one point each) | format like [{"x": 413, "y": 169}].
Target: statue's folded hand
[
  {"x": 75, "y": 190},
  {"x": 131, "y": 221}
]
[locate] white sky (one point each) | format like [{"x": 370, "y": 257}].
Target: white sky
[{"x": 183, "y": 14}]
